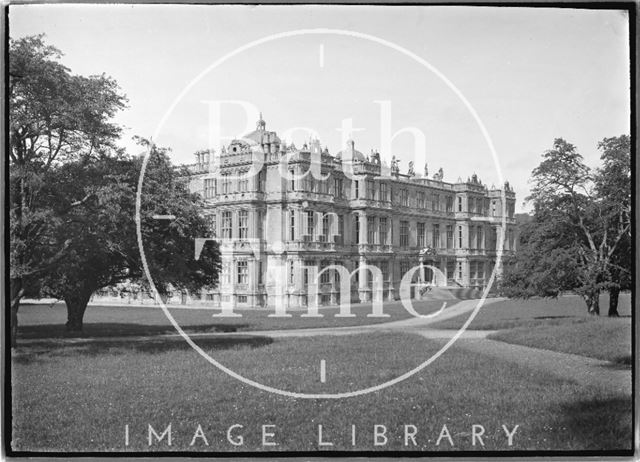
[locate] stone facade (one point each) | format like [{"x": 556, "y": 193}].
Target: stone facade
[{"x": 278, "y": 228}]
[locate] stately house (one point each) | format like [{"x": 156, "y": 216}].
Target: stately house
[{"x": 277, "y": 226}]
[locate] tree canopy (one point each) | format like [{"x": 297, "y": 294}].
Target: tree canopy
[
  {"x": 54, "y": 117},
  {"x": 72, "y": 192},
  {"x": 580, "y": 235},
  {"x": 97, "y": 200}
]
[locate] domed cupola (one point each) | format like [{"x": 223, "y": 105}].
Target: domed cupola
[
  {"x": 261, "y": 136},
  {"x": 350, "y": 153}
]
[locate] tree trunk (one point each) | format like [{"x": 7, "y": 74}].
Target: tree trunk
[
  {"x": 76, "y": 306},
  {"x": 17, "y": 292},
  {"x": 614, "y": 292},
  {"x": 592, "y": 299}
]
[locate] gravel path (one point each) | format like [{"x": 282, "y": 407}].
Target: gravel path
[{"x": 407, "y": 325}]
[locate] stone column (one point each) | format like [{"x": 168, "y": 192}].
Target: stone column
[
  {"x": 276, "y": 281},
  {"x": 445, "y": 270},
  {"x": 376, "y": 230},
  {"x": 485, "y": 276},
  {"x": 300, "y": 225},
  {"x": 317, "y": 225},
  {"x": 363, "y": 288},
  {"x": 227, "y": 290},
  {"x": 363, "y": 227},
  {"x": 334, "y": 287},
  {"x": 466, "y": 277}
]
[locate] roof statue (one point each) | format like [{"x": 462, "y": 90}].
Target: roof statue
[
  {"x": 395, "y": 168},
  {"x": 411, "y": 171},
  {"x": 261, "y": 124},
  {"x": 426, "y": 170}
]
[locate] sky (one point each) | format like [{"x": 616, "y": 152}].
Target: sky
[{"x": 530, "y": 75}]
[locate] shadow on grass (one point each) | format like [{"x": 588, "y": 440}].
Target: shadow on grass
[
  {"x": 599, "y": 424},
  {"x": 115, "y": 329},
  {"x": 38, "y": 352},
  {"x": 627, "y": 360},
  {"x": 554, "y": 317},
  {"x": 621, "y": 363}
]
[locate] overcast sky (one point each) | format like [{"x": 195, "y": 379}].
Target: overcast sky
[{"x": 532, "y": 75}]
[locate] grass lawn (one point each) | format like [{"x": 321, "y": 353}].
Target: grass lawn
[
  {"x": 45, "y": 321},
  {"x": 507, "y": 314},
  {"x": 81, "y": 397},
  {"x": 557, "y": 324},
  {"x": 607, "y": 339}
]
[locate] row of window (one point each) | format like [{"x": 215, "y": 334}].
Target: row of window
[
  {"x": 327, "y": 276},
  {"x": 226, "y": 225},
  {"x": 328, "y": 225},
  {"x": 475, "y": 236},
  {"x": 375, "y": 235},
  {"x": 378, "y": 230},
  {"x": 241, "y": 273},
  {"x": 374, "y": 191},
  {"x": 423, "y": 200},
  {"x": 229, "y": 185}
]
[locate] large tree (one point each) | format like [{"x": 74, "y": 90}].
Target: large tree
[
  {"x": 54, "y": 117},
  {"x": 577, "y": 238},
  {"x": 545, "y": 264},
  {"x": 101, "y": 228},
  {"x": 613, "y": 189},
  {"x": 170, "y": 244}
]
